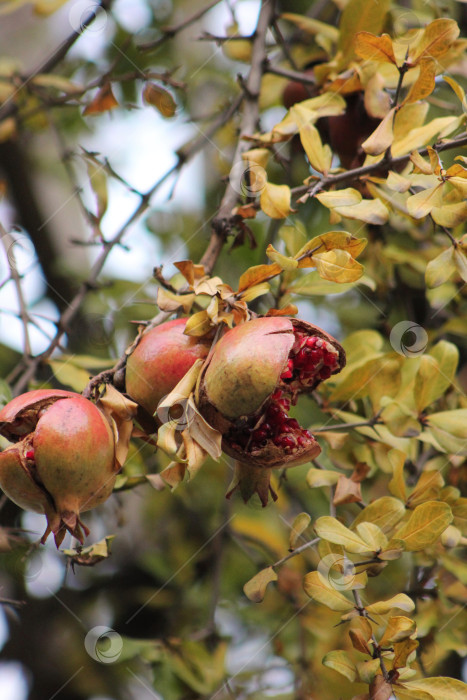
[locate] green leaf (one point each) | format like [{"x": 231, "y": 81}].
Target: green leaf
[
  {"x": 255, "y": 588},
  {"x": 339, "y": 661}
]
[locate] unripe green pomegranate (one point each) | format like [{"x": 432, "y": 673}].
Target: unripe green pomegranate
[
  {"x": 257, "y": 370},
  {"x": 62, "y": 458},
  {"x": 160, "y": 360}
]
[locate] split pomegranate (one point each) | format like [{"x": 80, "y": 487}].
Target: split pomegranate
[
  {"x": 62, "y": 458},
  {"x": 256, "y": 372},
  {"x": 160, "y": 360}
]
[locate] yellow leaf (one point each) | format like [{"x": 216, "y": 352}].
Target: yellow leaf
[
  {"x": 401, "y": 601},
  {"x": 374, "y": 48},
  {"x": 339, "y": 661},
  {"x": 361, "y": 15},
  {"x": 337, "y": 266},
  {"x": 435, "y": 373},
  {"x": 450, "y": 215},
  {"x": 425, "y": 83},
  {"x": 441, "y": 268},
  {"x": 373, "y": 535},
  {"x": 316, "y": 586},
  {"x": 160, "y": 98},
  {"x": 198, "y": 325},
  {"x": 299, "y": 526},
  {"x": 255, "y": 588},
  {"x": 320, "y": 156},
  {"x": 169, "y": 301},
  {"x": 330, "y": 241},
  {"x": 275, "y": 200},
  {"x": 458, "y": 89},
  {"x": 372, "y": 211},
  {"x": 440, "y": 687},
  {"x": 321, "y": 477},
  {"x": 207, "y": 437},
  {"x": 460, "y": 262},
  {"x": 257, "y": 274},
  {"x": 421, "y": 204},
  {"x": 385, "y": 512},
  {"x": 254, "y": 292},
  {"x": 334, "y": 531},
  {"x": 312, "y": 26},
  {"x": 419, "y": 136},
  {"x": 259, "y": 156},
  {"x": 402, "y": 650},
  {"x": 382, "y": 137},
  {"x": 282, "y": 260},
  {"x": 103, "y": 101},
  {"x": 398, "y": 628},
  {"x": 435, "y": 40},
  {"x": 339, "y": 198},
  {"x": 450, "y": 430},
  {"x": 424, "y": 526}
]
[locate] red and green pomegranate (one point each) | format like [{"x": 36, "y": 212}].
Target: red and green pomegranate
[
  {"x": 160, "y": 360},
  {"x": 256, "y": 372},
  {"x": 61, "y": 460}
]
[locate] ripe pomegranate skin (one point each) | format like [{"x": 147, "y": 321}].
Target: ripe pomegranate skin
[
  {"x": 296, "y": 91},
  {"x": 255, "y": 372},
  {"x": 160, "y": 360},
  {"x": 66, "y": 463}
]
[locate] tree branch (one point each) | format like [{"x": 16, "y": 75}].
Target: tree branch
[{"x": 222, "y": 223}]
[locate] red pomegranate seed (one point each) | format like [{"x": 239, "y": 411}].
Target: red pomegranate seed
[
  {"x": 311, "y": 342},
  {"x": 277, "y": 394},
  {"x": 30, "y": 454},
  {"x": 287, "y": 374},
  {"x": 293, "y": 423},
  {"x": 330, "y": 359},
  {"x": 316, "y": 356},
  {"x": 325, "y": 373}
]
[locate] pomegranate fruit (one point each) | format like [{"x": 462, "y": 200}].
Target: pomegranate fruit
[
  {"x": 62, "y": 458},
  {"x": 254, "y": 375},
  {"x": 160, "y": 360}
]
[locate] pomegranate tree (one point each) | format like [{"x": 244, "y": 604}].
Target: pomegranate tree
[
  {"x": 62, "y": 458},
  {"x": 160, "y": 360},
  {"x": 255, "y": 374}
]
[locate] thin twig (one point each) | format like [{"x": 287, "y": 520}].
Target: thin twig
[
  {"x": 295, "y": 552},
  {"x": 8, "y": 243},
  {"x": 169, "y": 32}
]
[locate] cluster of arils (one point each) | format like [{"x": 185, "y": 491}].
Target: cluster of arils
[{"x": 61, "y": 457}]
